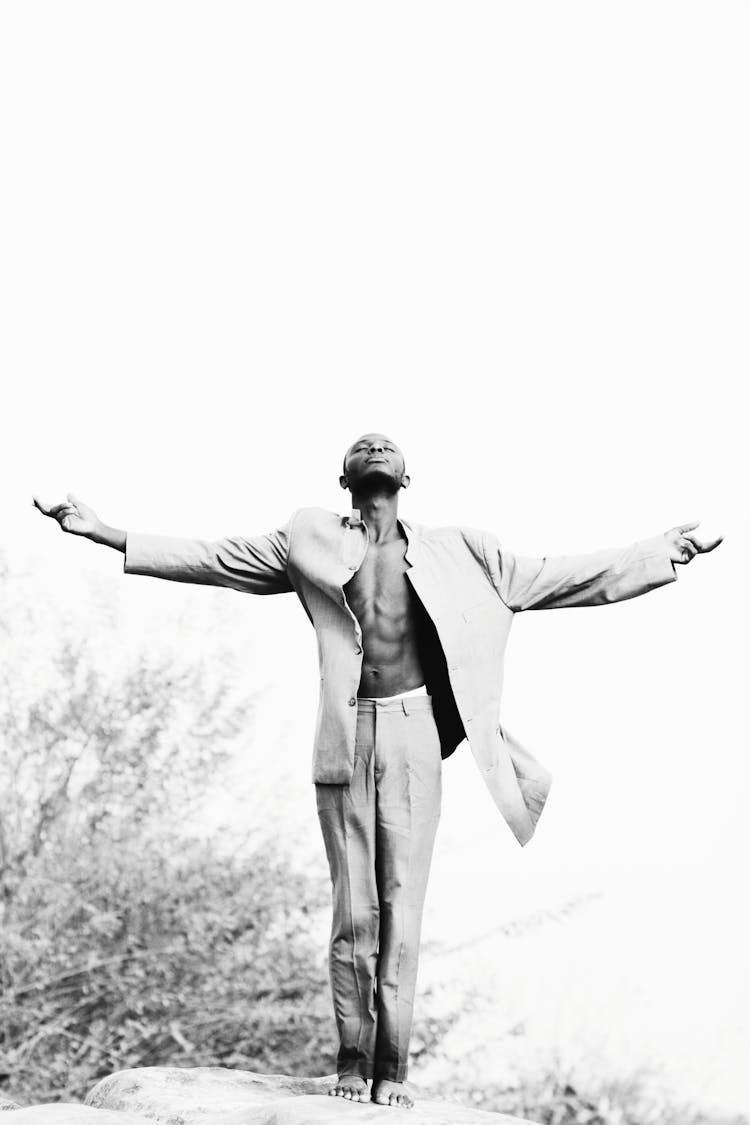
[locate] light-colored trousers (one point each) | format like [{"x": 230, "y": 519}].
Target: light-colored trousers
[{"x": 379, "y": 832}]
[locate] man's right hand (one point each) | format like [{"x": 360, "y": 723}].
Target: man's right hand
[
  {"x": 77, "y": 518},
  {"x": 73, "y": 515}
]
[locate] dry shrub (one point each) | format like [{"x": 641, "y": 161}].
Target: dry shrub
[{"x": 125, "y": 939}]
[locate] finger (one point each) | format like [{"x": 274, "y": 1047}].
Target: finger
[
  {"x": 38, "y": 504},
  {"x": 688, "y": 548},
  {"x": 73, "y": 499},
  {"x": 55, "y": 510},
  {"x": 709, "y": 545},
  {"x": 687, "y": 527},
  {"x": 701, "y": 546}
]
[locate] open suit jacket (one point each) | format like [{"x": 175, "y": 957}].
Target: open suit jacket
[{"x": 470, "y": 588}]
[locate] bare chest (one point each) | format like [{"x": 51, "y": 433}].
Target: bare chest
[{"x": 380, "y": 585}]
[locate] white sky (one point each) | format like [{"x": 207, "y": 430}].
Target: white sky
[{"x": 515, "y": 237}]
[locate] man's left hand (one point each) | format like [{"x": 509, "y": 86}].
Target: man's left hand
[{"x": 684, "y": 546}]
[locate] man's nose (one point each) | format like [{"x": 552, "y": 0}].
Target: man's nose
[{"x": 376, "y": 447}]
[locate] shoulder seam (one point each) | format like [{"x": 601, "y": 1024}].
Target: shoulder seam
[
  {"x": 489, "y": 573},
  {"x": 292, "y": 520},
  {"x": 484, "y": 556}
]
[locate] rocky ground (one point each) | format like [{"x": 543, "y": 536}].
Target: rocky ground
[{"x": 215, "y": 1096}]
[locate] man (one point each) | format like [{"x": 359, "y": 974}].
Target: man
[{"x": 411, "y": 626}]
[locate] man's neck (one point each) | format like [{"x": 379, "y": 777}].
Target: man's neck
[{"x": 379, "y": 513}]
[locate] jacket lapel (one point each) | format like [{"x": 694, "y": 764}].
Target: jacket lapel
[{"x": 412, "y": 544}]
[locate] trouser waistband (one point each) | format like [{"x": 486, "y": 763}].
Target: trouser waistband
[
  {"x": 416, "y": 692},
  {"x": 404, "y": 703}
]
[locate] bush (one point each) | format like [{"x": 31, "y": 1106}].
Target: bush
[
  {"x": 125, "y": 939},
  {"x": 553, "y": 1101},
  {"x": 125, "y": 958}
]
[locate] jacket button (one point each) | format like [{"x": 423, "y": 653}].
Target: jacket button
[{"x": 352, "y": 702}]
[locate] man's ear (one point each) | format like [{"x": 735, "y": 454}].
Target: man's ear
[
  {"x": 405, "y": 481},
  {"x": 343, "y": 482}
]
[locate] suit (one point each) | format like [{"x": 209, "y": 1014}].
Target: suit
[{"x": 470, "y": 587}]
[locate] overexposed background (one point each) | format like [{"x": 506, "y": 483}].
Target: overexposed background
[{"x": 515, "y": 238}]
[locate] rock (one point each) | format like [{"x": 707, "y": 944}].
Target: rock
[
  {"x": 216, "y": 1096},
  {"x": 68, "y": 1113},
  {"x": 193, "y": 1096}
]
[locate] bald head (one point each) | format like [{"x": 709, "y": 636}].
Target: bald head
[
  {"x": 379, "y": 440},
  {"x": 374, "y": 460}
]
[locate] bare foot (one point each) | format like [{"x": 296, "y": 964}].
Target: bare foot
[
  {"x": 351, "y": 1087},
  {"x": 385, "y": 1092}
]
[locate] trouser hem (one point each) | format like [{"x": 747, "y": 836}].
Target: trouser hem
[
  {"x": 354, "y": 1071},
  {"x": 391, "y": 1073}
]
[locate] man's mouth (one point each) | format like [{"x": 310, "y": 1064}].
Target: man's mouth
[{"x": 377, "y": 460}]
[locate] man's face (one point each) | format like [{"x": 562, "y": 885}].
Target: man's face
[{"x": 373, "y": 461}]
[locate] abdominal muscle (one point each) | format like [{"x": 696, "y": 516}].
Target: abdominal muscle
[
  {"x": 387, "y": 668},
  {"x": 378, "y": 596}
]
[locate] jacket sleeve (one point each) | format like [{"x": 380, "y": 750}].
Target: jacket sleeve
[
  {"x": 577, "y": 580},
  {"x": 257, "y": 565}
]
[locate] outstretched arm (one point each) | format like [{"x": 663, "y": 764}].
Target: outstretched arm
[
  {"x": 255, "y": 565},
  {"x": 592, "y": 579}
]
